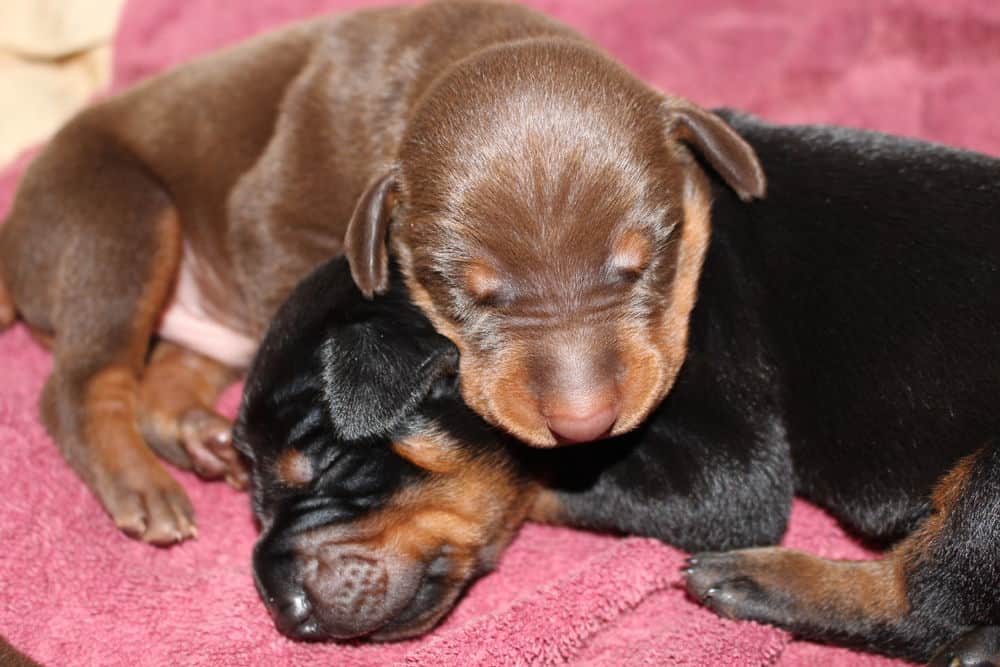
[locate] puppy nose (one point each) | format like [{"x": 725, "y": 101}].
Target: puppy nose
[
  {"x": 294, "y": 617},
  {"x": 582, "y": 421}
]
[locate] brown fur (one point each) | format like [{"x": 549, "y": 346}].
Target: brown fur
[
  {"x": 413, "y": 128},
  {"x": 546, "y": 237},
  {"x": 178, "y": 392},
  {"x": 142, "y": 497},
  {"x": 11, "y": 657},
  {"x": 7, "y": 312},
  {"x": 946, "y": 494},
  {"x": 820, "y": 589}
]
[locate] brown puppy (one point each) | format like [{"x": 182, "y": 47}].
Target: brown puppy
[
  {"x": 534, "y": 189},
  {"x": 543, "y": 203}
]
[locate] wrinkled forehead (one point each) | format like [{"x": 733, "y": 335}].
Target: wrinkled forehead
[
  {"x": 298, "y": 453},
  {"x": 550, "y": 195}
]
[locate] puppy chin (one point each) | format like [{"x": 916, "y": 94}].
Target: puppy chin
[{"x": 424, "y": 612}]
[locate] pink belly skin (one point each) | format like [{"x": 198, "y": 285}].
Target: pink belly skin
[{"x": 186, "y": 322}]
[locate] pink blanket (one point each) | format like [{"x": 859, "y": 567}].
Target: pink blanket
[{"x": 75, "y": 591}]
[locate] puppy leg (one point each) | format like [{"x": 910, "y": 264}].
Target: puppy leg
[
  {"x": 90, "y": 254},
  {"x": 935, "y": 586},
  {"x": 179, "y": 389}
]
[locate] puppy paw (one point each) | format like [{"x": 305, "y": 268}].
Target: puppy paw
[
  {"x": 978, "y": 648},
  {"x": 207, "y": 439},
  {"x": 727, "y": 584},
  {"x": 148, "y": 504}
]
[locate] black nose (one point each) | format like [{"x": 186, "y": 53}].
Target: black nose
[
  {"x": 294, "y": 616},
  {"x": 280, "y": 586}
]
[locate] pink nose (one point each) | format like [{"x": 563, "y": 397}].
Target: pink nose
[{"x": 582, "y": 423}]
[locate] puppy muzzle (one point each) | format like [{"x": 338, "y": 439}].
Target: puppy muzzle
[{"x": 342, "y": 590}]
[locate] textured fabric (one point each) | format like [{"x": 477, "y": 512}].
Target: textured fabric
[{"x": 73, "y": 591}]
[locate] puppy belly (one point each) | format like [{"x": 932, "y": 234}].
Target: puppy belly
[{"x": 186, "y": 322}]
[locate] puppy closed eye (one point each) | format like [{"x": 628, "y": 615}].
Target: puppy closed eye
[
  {"x": 484, "y": 284},
  {"x": 630, "y": 255}
]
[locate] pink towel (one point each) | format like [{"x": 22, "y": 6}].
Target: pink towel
[{"x": 73, "y": 591}]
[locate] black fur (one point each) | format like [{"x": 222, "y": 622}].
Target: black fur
[
  {"x": 843, "y": 347},
  {"x": 846, "y": 347},
  {"x": 337, "y": 378}
]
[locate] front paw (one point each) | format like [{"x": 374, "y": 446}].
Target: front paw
[
  {"x": 147, "y": 503},
  {"x": 725, "y": 583},
  {"x": 207, "y": 440}
]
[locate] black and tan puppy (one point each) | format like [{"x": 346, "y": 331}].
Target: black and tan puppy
[
  {"x": 843, "y": 347},
  {"x": 545, "y": 205},
  {"x": 379, "y": 493}
]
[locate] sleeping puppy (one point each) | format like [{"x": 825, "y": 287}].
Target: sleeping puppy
[
  {"x": 548, "y": 210},
  {"x": 380, "y": 495},
  {"x": 843, "y": 347}
]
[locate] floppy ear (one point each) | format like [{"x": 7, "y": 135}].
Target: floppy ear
[
  {"x": 365, "y": 242},
  {"x": 726, "y": 151},
  {"x": 377, "y": 372}
]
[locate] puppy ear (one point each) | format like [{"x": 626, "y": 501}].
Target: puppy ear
[
  {"x": 726, "y": 151},
  {"x": 378, "y": 371},
  {"x": 366, "y": 239}
]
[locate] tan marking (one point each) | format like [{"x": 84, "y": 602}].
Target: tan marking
[
  {"x": 293, "y": 468},
  {"x": 432, "y": 450},
  {"x": 7, "y": 311},
  {"x": 630, "y": 252},
  {"x": 546, "y": 508},
  {"x": 653, "y": 358},
  {"x": 481, "y": 281},
  {"x": 109, "y": 429},
  {"x": 695, "y": 235},
  {"x": 177, "y": 384},
  {"x": 645, "y": 374},
  {"x": 506, "y": 390},
  {"x": 157, "y": 288},
  {"x": 912, "y": 551}
]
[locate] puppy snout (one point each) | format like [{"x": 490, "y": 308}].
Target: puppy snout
[
  {"x": 331, "y": 590},
  {"x": 577, "y": 384},
  {"x": 582, "y": 420}
]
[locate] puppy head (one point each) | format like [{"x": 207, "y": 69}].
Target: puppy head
[
  {"x": 551, "y": 216},
  {"x": 380, "y": 495}
]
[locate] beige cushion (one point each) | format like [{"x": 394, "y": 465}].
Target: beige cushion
[{"x": 54, "y": 56}]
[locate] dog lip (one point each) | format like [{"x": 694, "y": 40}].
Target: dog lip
[{"x": 430, "y": 601}]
